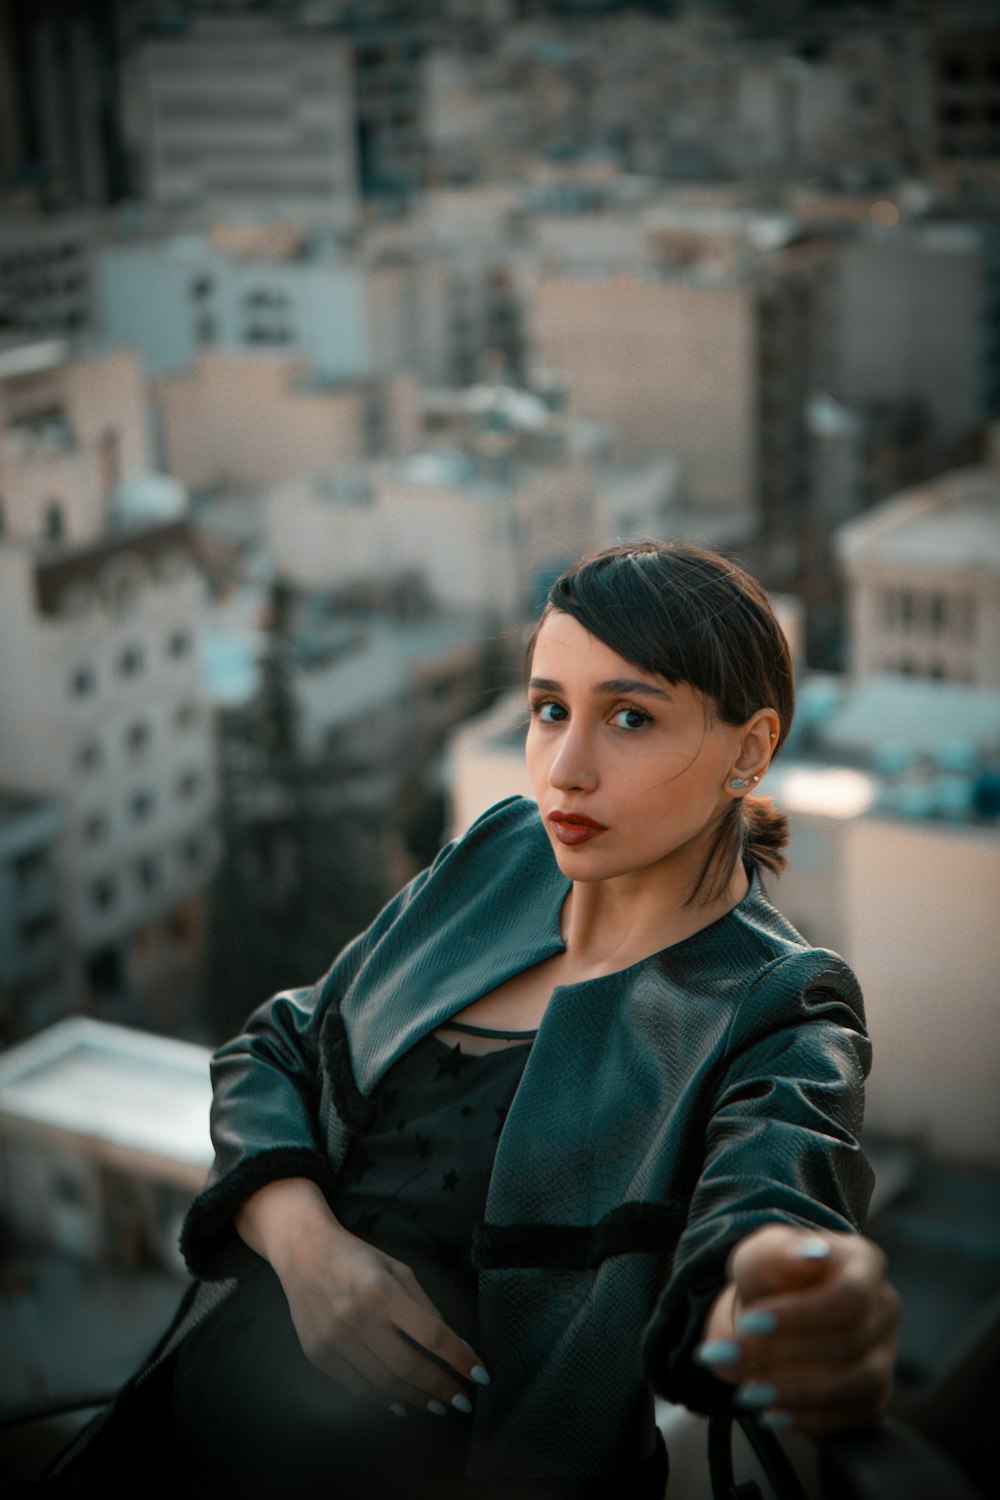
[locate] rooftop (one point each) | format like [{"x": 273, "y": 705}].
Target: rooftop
[
  {"x": 63, "y": 569},
  {"x": 923, "y": 716},
  {"x": 120, "y": 1095},
  {"x": 949, "y": 523}
]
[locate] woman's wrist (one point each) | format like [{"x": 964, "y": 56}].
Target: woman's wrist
[{"x": 282, "y": 1215}]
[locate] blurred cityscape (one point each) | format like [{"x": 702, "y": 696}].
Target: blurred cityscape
[{"x": 329, "y": 334}]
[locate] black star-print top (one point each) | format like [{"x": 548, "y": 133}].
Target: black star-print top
[{"x": 415, "y": 1183}]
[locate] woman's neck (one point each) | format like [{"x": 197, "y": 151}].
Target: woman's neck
[{"x": 608, "y": 925}]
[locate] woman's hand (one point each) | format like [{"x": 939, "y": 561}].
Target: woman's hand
[
  {"x": 806, "y": 1326},
  {"x": 361, "y": 1317}
]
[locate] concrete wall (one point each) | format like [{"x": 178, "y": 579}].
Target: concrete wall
[
  {"x": 911, "y": 310},
  {"x": 920, "y": 910},
  {"x": 670, "y": 363},
  {"x": 240, "y": 418}
]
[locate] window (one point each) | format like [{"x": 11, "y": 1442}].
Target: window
[
  {"x": 89, "y": 756},
  {"x": 130, "y": 661},
  {"x": 37, "y": 930},
  {"x": 95, "y": 828},
  {"x": 191, "y": 850},
  {"x": 55, "y": 523},
  {"x": 147, "y": 872},
  {"x": 28, "y": 867},
  {"x": 138, "y": 737},
  {"x": 188, "y": 784},
  {"x": 937, "y": 613},
  {"x": 180, "y": 643},
  {"x": 102, "y": 893},
  {"x": 109, "y": 460},
  {"x": 183, "y": 926},
  {"x": 142, "y": 803},
  {"x": 185, "y": 715},
  {"x": 83, "y": 682}
]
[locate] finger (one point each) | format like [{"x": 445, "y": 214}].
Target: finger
[
  {"x": 436, "y": 1379},
  {"x": 820, "y": 1400},
  {"x": 370, "y": 1361},
  {"x": 843, "y": 1306},
  {"x": 432, "y": 1336}
]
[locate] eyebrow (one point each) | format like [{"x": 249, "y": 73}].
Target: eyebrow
[{"x": 633, "y": 685}]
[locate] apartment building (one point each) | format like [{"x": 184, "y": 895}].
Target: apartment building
[
  {"x": 46, "y": 280},
  {"x": 253, "y": 419},
  {"x": 962, "y": 131},
  {"x": 73, "y": 433},
  {"x": 100, "y": 603},
  {"x": 33, "y": 989},
  {"x": 514, "y": 490},
  {"x": 98, "y": 664},
  {"x": 223, "y": 291},
  {"x": 709, "y": 354},
  {"x": 918, "y": 317},
  {"x": 243, "y": 115},
  {"x": 923, "y": 580}
]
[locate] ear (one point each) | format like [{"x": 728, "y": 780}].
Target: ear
[{"x": 757, "y": 740}]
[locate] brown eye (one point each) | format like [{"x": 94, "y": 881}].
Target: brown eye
[{"x": 632, "y": 718}]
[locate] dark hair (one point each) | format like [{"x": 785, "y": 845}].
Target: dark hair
[{"x": 693, "y": 616}]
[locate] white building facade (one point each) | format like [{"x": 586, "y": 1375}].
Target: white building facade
[
  {"x": 923, "y": 576},
  {"x": 98, "y": 660}
]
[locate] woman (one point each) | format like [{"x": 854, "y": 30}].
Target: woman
[{"x": 573, "y": 1122}]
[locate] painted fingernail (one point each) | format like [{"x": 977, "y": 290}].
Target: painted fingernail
[
  {"x": 397, "y": 1409},
  {"x": 462, "y": 1403},
  {"x": 718, "y": 1352},
  {"x": 750, "y": 1397},
  {"x": 438, "y": 1408},
  {"x": 779, "y": 1421},
  {"x": 479, "y": 1375},
  {"x": 813, "y": 1249},
  {"x": 756, "y": 1322}
]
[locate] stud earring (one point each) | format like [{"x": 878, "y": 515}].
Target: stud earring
[{"x": 738, "y": 783}]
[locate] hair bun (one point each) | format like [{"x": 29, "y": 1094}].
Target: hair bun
[{"x": 766, "y": 833}]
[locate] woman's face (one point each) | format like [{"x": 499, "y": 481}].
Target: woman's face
[{"x": 629, "y": 770}]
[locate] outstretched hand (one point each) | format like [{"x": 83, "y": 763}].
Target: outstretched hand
[{"x": 806, "y": 1326}]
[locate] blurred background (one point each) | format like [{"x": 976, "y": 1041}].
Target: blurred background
[{"x": 329, "y": 334}]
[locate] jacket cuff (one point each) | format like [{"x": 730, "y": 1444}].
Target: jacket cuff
[
  {"x": 208, "y": 1230},
  {"x": 675, "y": 1331}
]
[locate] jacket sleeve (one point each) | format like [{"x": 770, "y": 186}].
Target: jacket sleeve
[
  {"x": 265, "y": 1117},
  {"x": 781, "y": 1144}
]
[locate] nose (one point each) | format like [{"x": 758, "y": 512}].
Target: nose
[{"x": 573, "y": 768}]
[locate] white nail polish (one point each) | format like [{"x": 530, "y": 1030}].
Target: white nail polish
[{"x": 812, "y": 1249}]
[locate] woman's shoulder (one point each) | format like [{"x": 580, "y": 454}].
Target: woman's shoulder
[
  {"x": 754, "y": 956},
  {"x": 509, "y": 831}
]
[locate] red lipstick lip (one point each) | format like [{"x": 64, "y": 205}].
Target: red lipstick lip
[
  {"x": 575, "y": 828},
  {"x": 577, "y": 820}
]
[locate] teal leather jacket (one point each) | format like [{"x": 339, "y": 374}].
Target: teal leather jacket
[{"x": 664, "y": 1112}]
